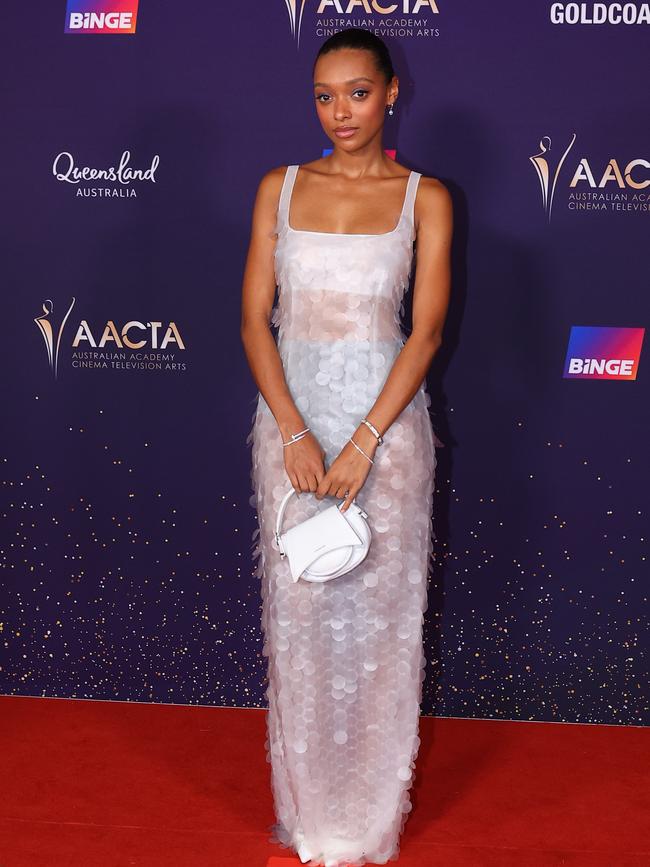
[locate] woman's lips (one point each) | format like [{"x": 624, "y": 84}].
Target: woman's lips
[{"x": 345, "y": 133}]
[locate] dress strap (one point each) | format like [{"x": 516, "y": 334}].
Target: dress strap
[
  {"x": 408, "y": 206},
  {"x": 285, "y": 196},
  {"x": 409, "y": 199}
]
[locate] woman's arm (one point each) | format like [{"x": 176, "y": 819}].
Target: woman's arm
[
  {"x": 430, "y": 302},
  {"x": 303, "y": 459}
]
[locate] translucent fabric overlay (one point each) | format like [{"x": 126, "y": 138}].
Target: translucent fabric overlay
[{"x": 345, "y": 658}]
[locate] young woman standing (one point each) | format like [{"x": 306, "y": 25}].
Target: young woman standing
[{"x": 342, "y": 412}]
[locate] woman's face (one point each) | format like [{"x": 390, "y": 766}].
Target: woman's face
[{"x": 351, "y": 96}]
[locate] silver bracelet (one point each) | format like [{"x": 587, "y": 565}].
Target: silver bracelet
[
  {"x": 361, "y": 450},
  {"x": 297, "y": 436},
  {"x": 369, "y": 424}
]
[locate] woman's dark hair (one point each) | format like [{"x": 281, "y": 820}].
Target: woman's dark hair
[{"x": 357, "y": 37}]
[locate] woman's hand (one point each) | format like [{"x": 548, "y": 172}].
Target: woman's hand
[
  {"x": 350, "y": 469},
  {"x": 303, "y": 461}
]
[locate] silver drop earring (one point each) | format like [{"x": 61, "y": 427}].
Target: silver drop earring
[{"x": 390, "y": 108}]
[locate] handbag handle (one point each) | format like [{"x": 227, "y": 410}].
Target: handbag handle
[{"x": 282, "y": 509}]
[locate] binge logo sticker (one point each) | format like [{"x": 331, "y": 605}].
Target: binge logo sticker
[
  {"x": 603, "y": 352},
  {"x": 101, "y": 16}
]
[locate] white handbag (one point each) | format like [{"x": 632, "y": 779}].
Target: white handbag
[{"x": 326, "y": 545}]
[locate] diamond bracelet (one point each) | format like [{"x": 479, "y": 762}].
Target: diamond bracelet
[
  {"x": 369, "y": 424},
  {"x": 295, "y": 437}
]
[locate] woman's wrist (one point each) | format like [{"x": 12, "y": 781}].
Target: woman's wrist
[
  {"x": 288, "y": 428},
  {"x": 365, "y": 438}
]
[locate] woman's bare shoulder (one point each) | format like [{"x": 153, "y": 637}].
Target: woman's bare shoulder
[
  {"x": 271, "y": 181},
  {"x": 434, "y": 185},
  {"x": 433, "y": 201},
  {"x": 433, "y": 193}
]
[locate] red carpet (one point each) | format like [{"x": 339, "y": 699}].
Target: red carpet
[{"x": 111, "y": 784}]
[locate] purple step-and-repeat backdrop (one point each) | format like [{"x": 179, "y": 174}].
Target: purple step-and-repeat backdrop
[{"x": 134, "y": 139}]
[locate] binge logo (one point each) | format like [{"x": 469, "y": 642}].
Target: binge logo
[
  {"x": 101, "y": 16},
  {"x": 603, "y": 353}
]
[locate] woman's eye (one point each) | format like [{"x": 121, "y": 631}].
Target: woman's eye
[{"x": 320, "y": 96}]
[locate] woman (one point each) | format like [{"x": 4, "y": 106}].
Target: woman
[{"x": 345, "y": 657}]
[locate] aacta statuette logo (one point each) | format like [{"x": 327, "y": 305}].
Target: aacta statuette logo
[
  {"x": 293, "y": 20},
  {"x": 46, "y": 328},
  {"x": 543, "y": 169}
]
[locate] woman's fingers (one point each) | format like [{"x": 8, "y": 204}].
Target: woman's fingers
[
  {"x": 341, "y": 490},
  {"x": 348, "y": 499},
  {"x": 304, "y": 483},
  {"x": 346, "y": 491}
]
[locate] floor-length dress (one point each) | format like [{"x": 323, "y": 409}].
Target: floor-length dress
[{"x": 345, "y": 658}]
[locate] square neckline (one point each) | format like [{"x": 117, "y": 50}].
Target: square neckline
[{"x": 345, "y": 234}]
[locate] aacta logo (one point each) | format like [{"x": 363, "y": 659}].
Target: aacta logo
[
  {"x": 612, "y": 184},
  {"x": 633, "y": 174},
  {"x": 603, "y": 352},
  {"x": 295, "y": 8},
  {"x": 101, "y": 16},
  {"x": 148, "y": 334},
  {"x": 135, "y": 345}
]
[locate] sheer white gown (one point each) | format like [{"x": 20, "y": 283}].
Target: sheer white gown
[{"x": 345, "y": 658}]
